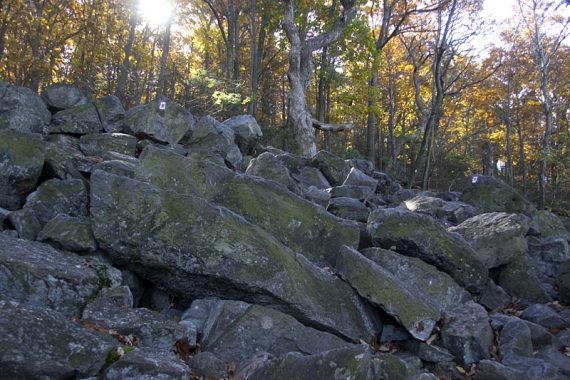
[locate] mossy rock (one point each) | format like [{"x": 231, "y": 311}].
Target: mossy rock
[
  {"x": 192, "y": 248},
  {"x": 490, "y": 194},
  {"x": 21, "y": 161}
]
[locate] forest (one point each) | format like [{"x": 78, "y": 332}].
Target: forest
[{"x": 430, "y": 91}]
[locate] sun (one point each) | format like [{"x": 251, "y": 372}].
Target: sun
[{"x": 156, "y": 12}]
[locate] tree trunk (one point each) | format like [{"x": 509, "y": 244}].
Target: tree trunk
[
  {"x": 124, "y": 71},
  {"x": 371, "y": 121},
  {"x": 300, "y": 70},
  {"x": 4, "y": 25},
  {"x": 160, "y": 88}
]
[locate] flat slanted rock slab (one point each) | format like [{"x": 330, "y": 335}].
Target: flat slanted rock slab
[
  {"x": 189, "y": 247},
  {"x": 385, "y": 291},
  {"x": 297, "y": 223},
  {"x": 37, "y": 274},
  {"x": 433, "y": 286},
  {"x": 147, "y": 364},
  {"x": 37, "y": 343},
  {"x": 419, "y": 235},
  {"x": 498, "y": 237},
  {"x": 239, "y": 330}
]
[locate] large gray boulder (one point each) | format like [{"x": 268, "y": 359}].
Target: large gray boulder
[
  {"x": 498, "y": 238},
  {"x": 467, "y": 334},
  {"x": 333, "y": 167},
  {"x": 267, "y": 166},
  {"x": 388, "y": 293},
  {"x": 215, "y": 141},
  {"x": 70, "y": 233},
  {"x": 235, "y": 331},
  {"x": 357, "y": 178},
  {"x": 37, "y": 343},
  {"x": 297, "y": 223},
  {"x": 22, "y": 110},
  {"x": 112, "y": 113},
  {"x": 169, "y": 125},
  {"x": 519, "y": 278},
  {"x": 247, "y": 132},
  {"x": 420, "y": 236},
  {"x": 348, "y": 208},
  {"x": 21, "y": 162},
  {"x": 147, "y": 364},
  {"x": 101, "y": 144},
  {"x": 429, "y": 284},
  {"x": 58, "y": 197},
  {"x": 449, "y": 211},
  {"x": 61, "y": 96},
  {"x": 490, "y": 194},
  {"x": 190, "y": 247},
  {"x": 64, "y": 158},
  {"x": 38, "y": 275},
  {"x": 80, "y": 120}
]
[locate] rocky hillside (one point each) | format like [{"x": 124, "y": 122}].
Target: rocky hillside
[{"x": 149, "y": 244}]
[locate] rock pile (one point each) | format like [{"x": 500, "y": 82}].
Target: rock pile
[{"x": 152, "y": 244}]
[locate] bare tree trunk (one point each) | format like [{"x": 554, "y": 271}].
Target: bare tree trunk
[
  {"x": 160, "y": 88},
  {"x": 5, "y": 10},
  {"x": 124, "y": 71},
  {"x": 300, "y": 70}
]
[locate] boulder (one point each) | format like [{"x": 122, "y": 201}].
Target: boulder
[
  {"x": 247, "y": 132},
  {"x": 309, "y": 176},
  {"x": 545, "y": 224},
  {"x": 357, "y": 178},
  {"x": 101, "y": 144},
  {"x": 118, "y": 167},
  {"x": 268, "y": 166},
  {"x": 429, "y": 352},
  {"x": 563, "y": 282},
  {"x": 554, "y": 357},
  {"x": 64, "y": 158},
  {"x": 235, "y": 331},
  {"x": 498, "y": 238},
  {"x": 297, "y": 223},
  {"x": 466, "y": 333},
  {"x": 147, "y": 364},
  {"x": 22, "y": 110},
  {"x": 515, "y": 340},
  {"x": 69, "y": 233},
  {"x": 61, "y": 96},
  {"x": 112, "y": 113},
  {"x": 21, "y": 161},
  {"x": 192, "y": 248},
  {"x": 317, "y": 196},
  {"x": 490, "y": 194},
  {"x": 4, "y": 219},
  {"x": 38, "y": 275},
  {"x": 207, "y": 365},
  {"x": 547, "y": 254},
  {"x": 216, "y": 142},
  {"x": 419, "y": 235},
  {"x": 58, "y": 197},
  {"x": 80, "y": 120},
  {"x": 492, "y": 370},
  {"x": 38, "y": 343},
  {"x": 26, "y": 223},
  {"x": 112, "y": 309},
  {"x": 345, "y": 363},
  {"x": 493, "y": 297},
  {"x": 535, "y": 368},
  {"x": 385, "y": 291},
  {"x": 361, "y": 193},
  {"x": 365, "y": 166},
  {"x": 519, "y": 279},
  {"x": 334, "y": 168},
  {"x": 432, "y": 286},
  {"x": 169, "y": 125},
  {"x": 545, "y": 316},
  {"x": 348, "y": 208},
  {"x": 452, "y": 212}
]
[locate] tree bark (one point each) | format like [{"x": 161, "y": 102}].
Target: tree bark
[
  {"x": 160, "y": 87},
  {"x": 124, "y": 71},
  {"x": 300, "y": 70}
]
